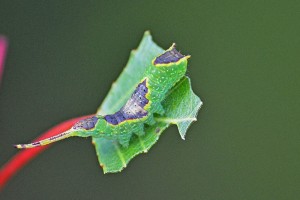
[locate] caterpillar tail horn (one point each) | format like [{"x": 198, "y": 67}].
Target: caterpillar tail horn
[{"x": 46, "y": 141}]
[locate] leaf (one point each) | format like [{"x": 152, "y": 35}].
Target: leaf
[
  {"x": 181, "y": 107},
  {"x": 113, "y": 157}
]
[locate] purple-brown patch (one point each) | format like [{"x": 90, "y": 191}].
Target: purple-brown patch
[
  {"x": 170, "y": 56},
  {"x": 134, "y": 107}
]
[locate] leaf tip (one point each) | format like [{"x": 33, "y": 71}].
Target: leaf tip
[
  {"x": 147, "y": 32},
  {"x": 133, "y": 52}
]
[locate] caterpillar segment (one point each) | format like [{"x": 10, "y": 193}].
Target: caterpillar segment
[{"x": 160, "y": 76}]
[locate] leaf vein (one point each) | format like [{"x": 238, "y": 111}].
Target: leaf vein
[{"x": 120, "y": 155}]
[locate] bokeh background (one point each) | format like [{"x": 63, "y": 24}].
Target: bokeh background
[{"x": 64, "y": 55}]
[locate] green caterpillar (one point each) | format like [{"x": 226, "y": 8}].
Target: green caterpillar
[{"x": 160, "y": 76}]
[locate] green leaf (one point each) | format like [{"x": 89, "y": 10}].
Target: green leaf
[
  {"x": 113, "y": 157},
  {"x": 181, "y": 107}
]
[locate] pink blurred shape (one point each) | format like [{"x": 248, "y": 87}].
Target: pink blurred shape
[{"x": 3, "y": 47}]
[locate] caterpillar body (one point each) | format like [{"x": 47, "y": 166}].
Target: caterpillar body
[{"x": 160, "y": 76}]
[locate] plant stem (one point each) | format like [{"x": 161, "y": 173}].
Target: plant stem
[{"x": 3, "y": 47}]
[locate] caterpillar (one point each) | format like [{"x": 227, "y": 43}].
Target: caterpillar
[{"x": 160, "y": 76}]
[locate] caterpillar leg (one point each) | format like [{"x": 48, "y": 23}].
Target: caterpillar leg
[
  {"x": 150, "y": 121},
  {"x": 124, "y": 139},
  {"x": 139, "y": 130}
]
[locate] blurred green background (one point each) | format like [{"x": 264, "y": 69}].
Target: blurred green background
[{"x": 64, "y": 55}]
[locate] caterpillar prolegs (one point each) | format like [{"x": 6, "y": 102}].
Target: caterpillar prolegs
[{"x": 160, "y": 76}]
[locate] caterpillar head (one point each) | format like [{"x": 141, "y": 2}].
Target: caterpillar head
[{"x": 170, "y": 58}]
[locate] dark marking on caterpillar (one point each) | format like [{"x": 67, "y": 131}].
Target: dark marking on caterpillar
[
  {"x": 86, "y": 124},
  {"x": 168, "y": 57},
  {"x": 157, "y": 130},
  {"x": 36, "y": 143},
  {"x": 134, "y": 107}
]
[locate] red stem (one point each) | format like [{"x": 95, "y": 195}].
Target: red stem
[
  {"x": 24, "y": 156},
  {"x": 3, "y": 47}
]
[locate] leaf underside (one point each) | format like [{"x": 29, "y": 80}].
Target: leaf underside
[{"x": 181, "y": 107}]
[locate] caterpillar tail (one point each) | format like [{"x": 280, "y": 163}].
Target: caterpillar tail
[{"x": 46, "y": 141}]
